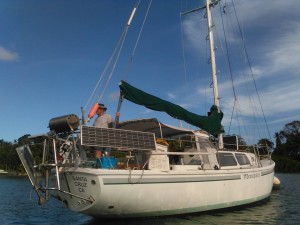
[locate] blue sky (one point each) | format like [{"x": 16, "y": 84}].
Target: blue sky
[{"x": 52, "y": 54}]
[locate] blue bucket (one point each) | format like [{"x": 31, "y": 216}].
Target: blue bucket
[{"x": 106, "y": 162}]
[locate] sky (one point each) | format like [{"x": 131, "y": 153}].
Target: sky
[{"x": 53, "y": 53}]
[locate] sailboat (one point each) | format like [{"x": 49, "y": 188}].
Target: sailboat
[{"x": 144, "y": 167}]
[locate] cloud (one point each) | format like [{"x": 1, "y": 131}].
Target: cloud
[
  {"x": 286, "y": 54},
  {"x": 7, "y": 55},
  {"x": 147, "y": 111},
  {"x": 283, "y": 98}
]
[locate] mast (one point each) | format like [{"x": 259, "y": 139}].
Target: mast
[{"x": 213, "y": 63}]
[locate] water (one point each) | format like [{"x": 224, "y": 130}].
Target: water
[{"x": 17, "y": 207}]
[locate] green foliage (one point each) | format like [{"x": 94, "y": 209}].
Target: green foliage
[
  {"x": 288, "y": 141},
  {"x": 242, "y": 143},
  {"x": 285, "y": 164},
  {"x": 287, "y": 151},
  {"x": 9, "y": 159},
  {"x": 265, "y": 146},
  {"x": 265, "y": 142}
]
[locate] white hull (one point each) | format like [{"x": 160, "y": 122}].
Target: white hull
[{"x": 121, "y": 193}]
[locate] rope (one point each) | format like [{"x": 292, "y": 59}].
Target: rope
[
  {"x": 130, "y": 180},
  {"x": 138, "y": 180}
]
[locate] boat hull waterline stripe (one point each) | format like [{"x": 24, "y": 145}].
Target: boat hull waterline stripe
[{"x": 114, "y": 181}]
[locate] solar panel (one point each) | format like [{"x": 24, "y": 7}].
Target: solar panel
[{"x": 117, "y": 138}]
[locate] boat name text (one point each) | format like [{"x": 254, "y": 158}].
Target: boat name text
[
  {"x": 80, "y": 182},
  {"x": 250, "y": 176}
]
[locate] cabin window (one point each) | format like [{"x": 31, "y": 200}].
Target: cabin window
[
  {"x": 227, "y": 159},
  {"x": 242, "y": 159}
]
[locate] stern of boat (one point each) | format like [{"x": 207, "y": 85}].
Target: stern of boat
[{"x": 78, "y": 190}]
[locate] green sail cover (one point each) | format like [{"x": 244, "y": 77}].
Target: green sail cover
[{"x": 210, "y": 123}]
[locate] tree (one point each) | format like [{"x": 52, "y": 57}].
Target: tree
[
  {"x": 288, "y": 141},
  {"x": 8, "y": 156},
  {"x": 265, "y": 142},
  {"x": 9, "y": 159},
  {"x": 265, "y": 146},
  {"x": 24, "y": 140}
]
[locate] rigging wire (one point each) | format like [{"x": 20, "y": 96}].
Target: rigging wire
[
  {"x": 227, "y": 54},
  {"x": 120, "y": 49},
  {"x": 235, "y": 105},
  {"x": 114, "y": 65},
  {"x": 182, "y": 45},
  {"x": 229, "y": 67},
  {"x": 142, "y": 27},
  {"x": 96, "y": 89},
  {"x": 248, "y": 88},
  {"x": 222, "y": 10},
  {"x": 117, "y": 50},
  {"x": 248, "y": 60},
  {"x": 136, "y": 43}
]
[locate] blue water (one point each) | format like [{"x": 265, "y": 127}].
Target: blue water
[{"x": 19, "y": 206}]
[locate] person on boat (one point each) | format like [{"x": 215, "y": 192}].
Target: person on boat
[{"x": 104, "y": 120}]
